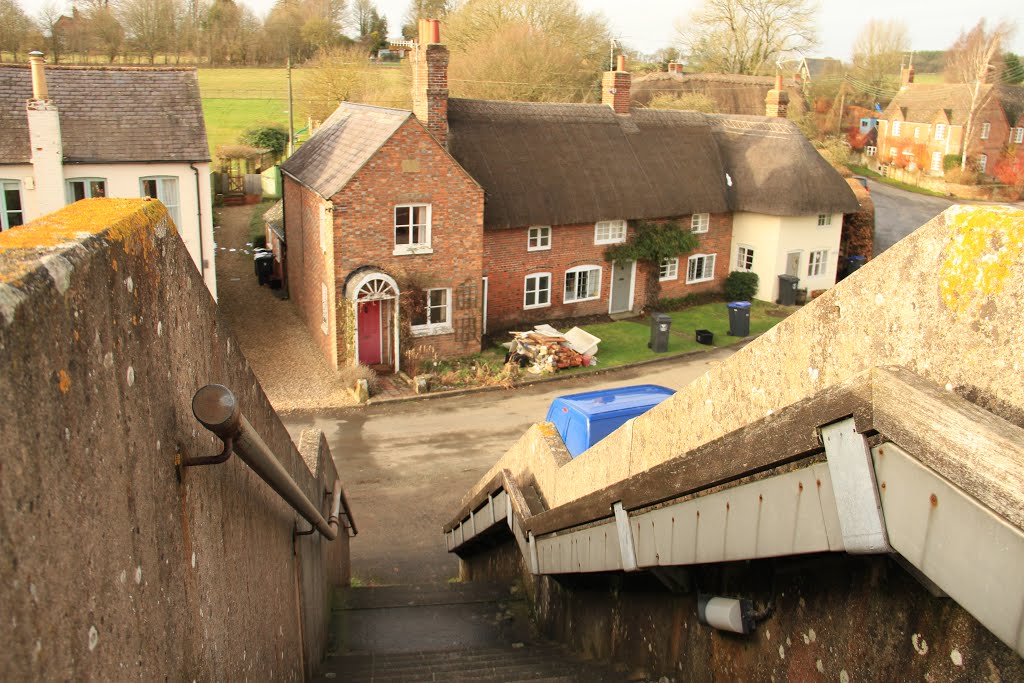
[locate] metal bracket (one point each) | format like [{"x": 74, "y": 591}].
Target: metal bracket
[
  {"x": 229, "y": 444},
  {"x": 855, "y": 489},
  {"x": 296, "y": 532},
  {"x": 626, "y": 547}
]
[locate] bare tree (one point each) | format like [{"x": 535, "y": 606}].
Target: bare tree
[
  {"x": 15, "y": 27},
  {"x": 974, "y": 58},
  {"x": 362, "y": 16},
  {"x": 423, "y": 9},
  {"x": 106, "y": 31},
  {"x": 526, "y": 50},
  {"x": 877, "y": 52},
  {"x": 48, "y": 17},
  {"x": 339, "y": 75},
  {"x": 747, "y": 36},
  {"x": 149, "y": 24}
]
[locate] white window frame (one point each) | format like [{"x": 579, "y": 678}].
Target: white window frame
[
  {"x": 817, "y": 262},
  {"x": 986, "y": 129},
  {"x": 668, "y": 269},
  {"x": 1018, "y": 135},
  {"x": 936, "y": 165},
  {"x": 917, "y": 132},
  {"x": 610, "y": 232},
  {"x": 536, "y": 290},
  {"x": 700, "y": 222},
  {"x": 707, "y": 273},
  {"x": 162, "y": 184},
  {"x": 575, "y": 272},
  {"x": 408, "y": 248},
  {"x": 431, "y": 327},
  {"x": 897, "y": 127},
  {"x": 982, "y": 163},
  {"x": 87, "y": 188},
  {"x": 744, "y": 258},
  {"x": 824, "y": 220},
  {"x": 940, "y": 131},
  {"x": 538, "y": 238},
  {"x": 7, "y": 185},
  {"x": 871, "y": 150}
]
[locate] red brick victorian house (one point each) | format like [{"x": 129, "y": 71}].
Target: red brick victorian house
[{"x": 433, "y": 227}]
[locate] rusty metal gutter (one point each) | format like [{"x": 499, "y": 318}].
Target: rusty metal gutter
[{"x": 217, "y": 409}]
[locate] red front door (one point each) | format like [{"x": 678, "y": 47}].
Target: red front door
[{"x": 369, "y": 333}]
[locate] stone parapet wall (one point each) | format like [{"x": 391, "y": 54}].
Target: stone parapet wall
[{"x": 116, "y": 564}]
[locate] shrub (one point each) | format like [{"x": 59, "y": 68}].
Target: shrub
[
  {"x": 274, "y": 138},
  {"x": 353, "y": 373},
  {"x": 959, "y": 176},
  {"x": 950, "y": 162},
  {"x": 741, "y": 286}
]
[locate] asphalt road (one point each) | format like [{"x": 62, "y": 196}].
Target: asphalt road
[
  {"x": 899, "y": 213},
  {"x": 405, "y": 466}
]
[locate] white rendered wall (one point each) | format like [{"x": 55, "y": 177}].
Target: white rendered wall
[
  {"x": 802, "y": 233},
  {"x": 761, "y": 233}
]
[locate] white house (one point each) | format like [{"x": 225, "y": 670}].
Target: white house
[{"x": 70, "y": 133}]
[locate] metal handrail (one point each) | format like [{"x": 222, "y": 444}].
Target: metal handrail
[{"x": 217, "y": 409}]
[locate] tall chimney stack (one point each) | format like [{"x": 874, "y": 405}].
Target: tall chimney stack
[
  {"x": 45, "y": 140},
  {"x": 776, "y": 102},
  {"x": 615, "y": 87},
  {"x": 430, "y": 80},
  {"x": 907, "y": 75}
]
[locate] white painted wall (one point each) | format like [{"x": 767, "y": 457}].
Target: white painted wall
[
  {"x": 773, "y": 237},
  {"x": 123, "y": 180},
  {"x": 760, "y": 232}
]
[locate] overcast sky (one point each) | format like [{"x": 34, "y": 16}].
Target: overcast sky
[{"x": 650, "y": 24}]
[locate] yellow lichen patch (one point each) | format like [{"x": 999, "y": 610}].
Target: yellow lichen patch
[
  {"x": 129, "y": 221},
  {"x": 988, "y": 242},
  {"x": 63, "y": 381}
]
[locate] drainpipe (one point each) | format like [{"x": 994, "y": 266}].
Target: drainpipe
[{"x": 199, "y": 216}]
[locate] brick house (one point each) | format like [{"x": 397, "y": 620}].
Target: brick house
[
  {"x": 494, "y": 215},
  {"x": 926, "y": 122}
]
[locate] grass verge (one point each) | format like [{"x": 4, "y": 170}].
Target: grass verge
[{"x": 865, "y": 171}]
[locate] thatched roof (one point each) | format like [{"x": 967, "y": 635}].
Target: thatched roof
[
  {"x": 775, "y": 170},
  {"x": 732, "y": 93},
  {"x": 921, "y": 102},
  {"x": 564, "y": 164},
  {"x": 342, "y": 145},
  {"x": 109, "y": 114}
]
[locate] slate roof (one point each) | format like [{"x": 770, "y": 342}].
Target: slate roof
[
  {"x": 339, "y": 148},
  {"x": 274, "y": 218},
  {"x": 109, "y": 114},
  {"x": 920, "y": 102},
  {"x": 732, "y": 93}
]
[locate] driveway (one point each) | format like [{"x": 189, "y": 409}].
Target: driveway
[
  {"x": 899, "y": 213},
  {"x": 405, "y": 466}
]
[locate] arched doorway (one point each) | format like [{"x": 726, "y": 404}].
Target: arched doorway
[{"x": 374, "y": 297}]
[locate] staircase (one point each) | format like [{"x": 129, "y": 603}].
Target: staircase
[{"x": 459, "y": 632}]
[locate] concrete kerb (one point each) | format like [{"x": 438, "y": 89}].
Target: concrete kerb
[{"x": 556, "y": 377}]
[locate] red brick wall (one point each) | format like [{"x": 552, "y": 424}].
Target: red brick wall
[
  {"x": 307, "y": 268},
  {"x": 412, "y": 168},
  {"x": 507, "y": 262}
]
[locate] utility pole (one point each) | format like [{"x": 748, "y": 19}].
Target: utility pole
[
  {"x": 291, "y": 106},
  {"x": 611, "y": 55}
]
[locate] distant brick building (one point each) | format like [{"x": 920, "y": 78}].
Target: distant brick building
[
  {"x": 428, "y": 229},
  {"x": 924, "y": 123}
]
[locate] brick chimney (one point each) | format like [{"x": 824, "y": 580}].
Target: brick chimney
[
  {"x": 430, "y": 80},
  {"x": 44, "y": 138},
  {"x": 907, "y": 75},
  {"x": 776, "y": 102},
  {"x": 615, "y": 86},
  {"x": 675, "y": 68}
]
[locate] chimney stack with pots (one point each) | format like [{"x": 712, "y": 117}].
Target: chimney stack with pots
[
  {"x": 615, "y": 87},
  {"x": 430, "y": 80},
  {"x": 907, "y": 75},
  {"x": 45, "y": 140},
  {"x": 776, "y": 102},
  {"x": 675, "y": 68}
]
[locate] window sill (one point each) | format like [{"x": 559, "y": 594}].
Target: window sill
[
  {"x": 697, "y": 282},
  {"x": 547, "y": 248},
  {"x": 431, "y": 330},
  {"x": 412, "y": 251},
  {"x": 700, "y": 232},
  {"x": 668, "y": 279},
  {"x": 615, "y": 241},
  {"x": 527, "y": 308},
  {"x": 580, "y": 301}
]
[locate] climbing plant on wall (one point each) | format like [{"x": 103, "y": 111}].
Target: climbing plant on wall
[{"x": 653, "y": 242}]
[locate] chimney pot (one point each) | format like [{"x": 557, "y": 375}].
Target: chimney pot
[
  {"x": 435, "y": 31},
  {"x": 907, "y": 75},
  {"x": 620, "y": 63},
  {"x": 778, "y": 81},
  {"x": 37, "y": 64}
]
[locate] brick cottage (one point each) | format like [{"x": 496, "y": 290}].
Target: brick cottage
[{"x": 421, "y": 231}]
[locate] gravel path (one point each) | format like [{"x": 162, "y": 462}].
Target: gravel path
[{"x": 293, "y": 372}]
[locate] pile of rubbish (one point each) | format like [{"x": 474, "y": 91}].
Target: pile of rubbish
[{"x": 545, "y": 349}]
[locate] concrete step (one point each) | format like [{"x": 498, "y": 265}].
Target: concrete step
[{"x": 379, "y": 597}]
